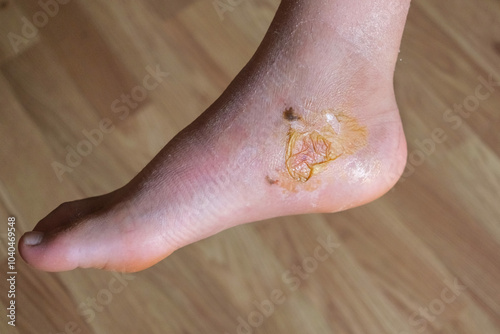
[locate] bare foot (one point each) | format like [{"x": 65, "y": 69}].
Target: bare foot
[{"x": 309, "y": 125}]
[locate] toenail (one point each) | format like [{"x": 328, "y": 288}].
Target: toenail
[{"x": 33, "y": 238}]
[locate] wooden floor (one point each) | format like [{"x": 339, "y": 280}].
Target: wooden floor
[{"x": 425, "y": 258}]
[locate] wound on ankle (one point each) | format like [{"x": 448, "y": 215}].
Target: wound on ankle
[{"x": 315, "y": 141}]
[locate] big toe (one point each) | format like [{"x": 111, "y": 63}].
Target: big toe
[{"x": 93, "y": 233}]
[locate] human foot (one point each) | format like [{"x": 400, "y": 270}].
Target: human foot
[{"x": 309, "y": 125}]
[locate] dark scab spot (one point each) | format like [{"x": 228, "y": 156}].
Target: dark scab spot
[
  {"x": 290, "y": 115},
  {"x": 3, "y": 4},
  {"x": 271, "y": 181}
]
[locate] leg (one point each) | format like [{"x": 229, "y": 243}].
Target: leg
[{"x": 309, "y": 125}]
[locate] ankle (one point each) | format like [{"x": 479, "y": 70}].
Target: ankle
[{"x": 371, "y": 29}]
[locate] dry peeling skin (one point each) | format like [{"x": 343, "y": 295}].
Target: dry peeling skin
[{"x": 314, "y": 143}]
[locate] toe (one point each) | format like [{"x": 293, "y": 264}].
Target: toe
[{"x": 91, "y": 233}]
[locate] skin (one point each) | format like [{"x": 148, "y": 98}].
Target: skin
[{"x": 232, "y": 165}]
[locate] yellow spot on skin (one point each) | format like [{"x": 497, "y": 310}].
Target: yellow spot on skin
[{"x": 314, "y": 144}]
